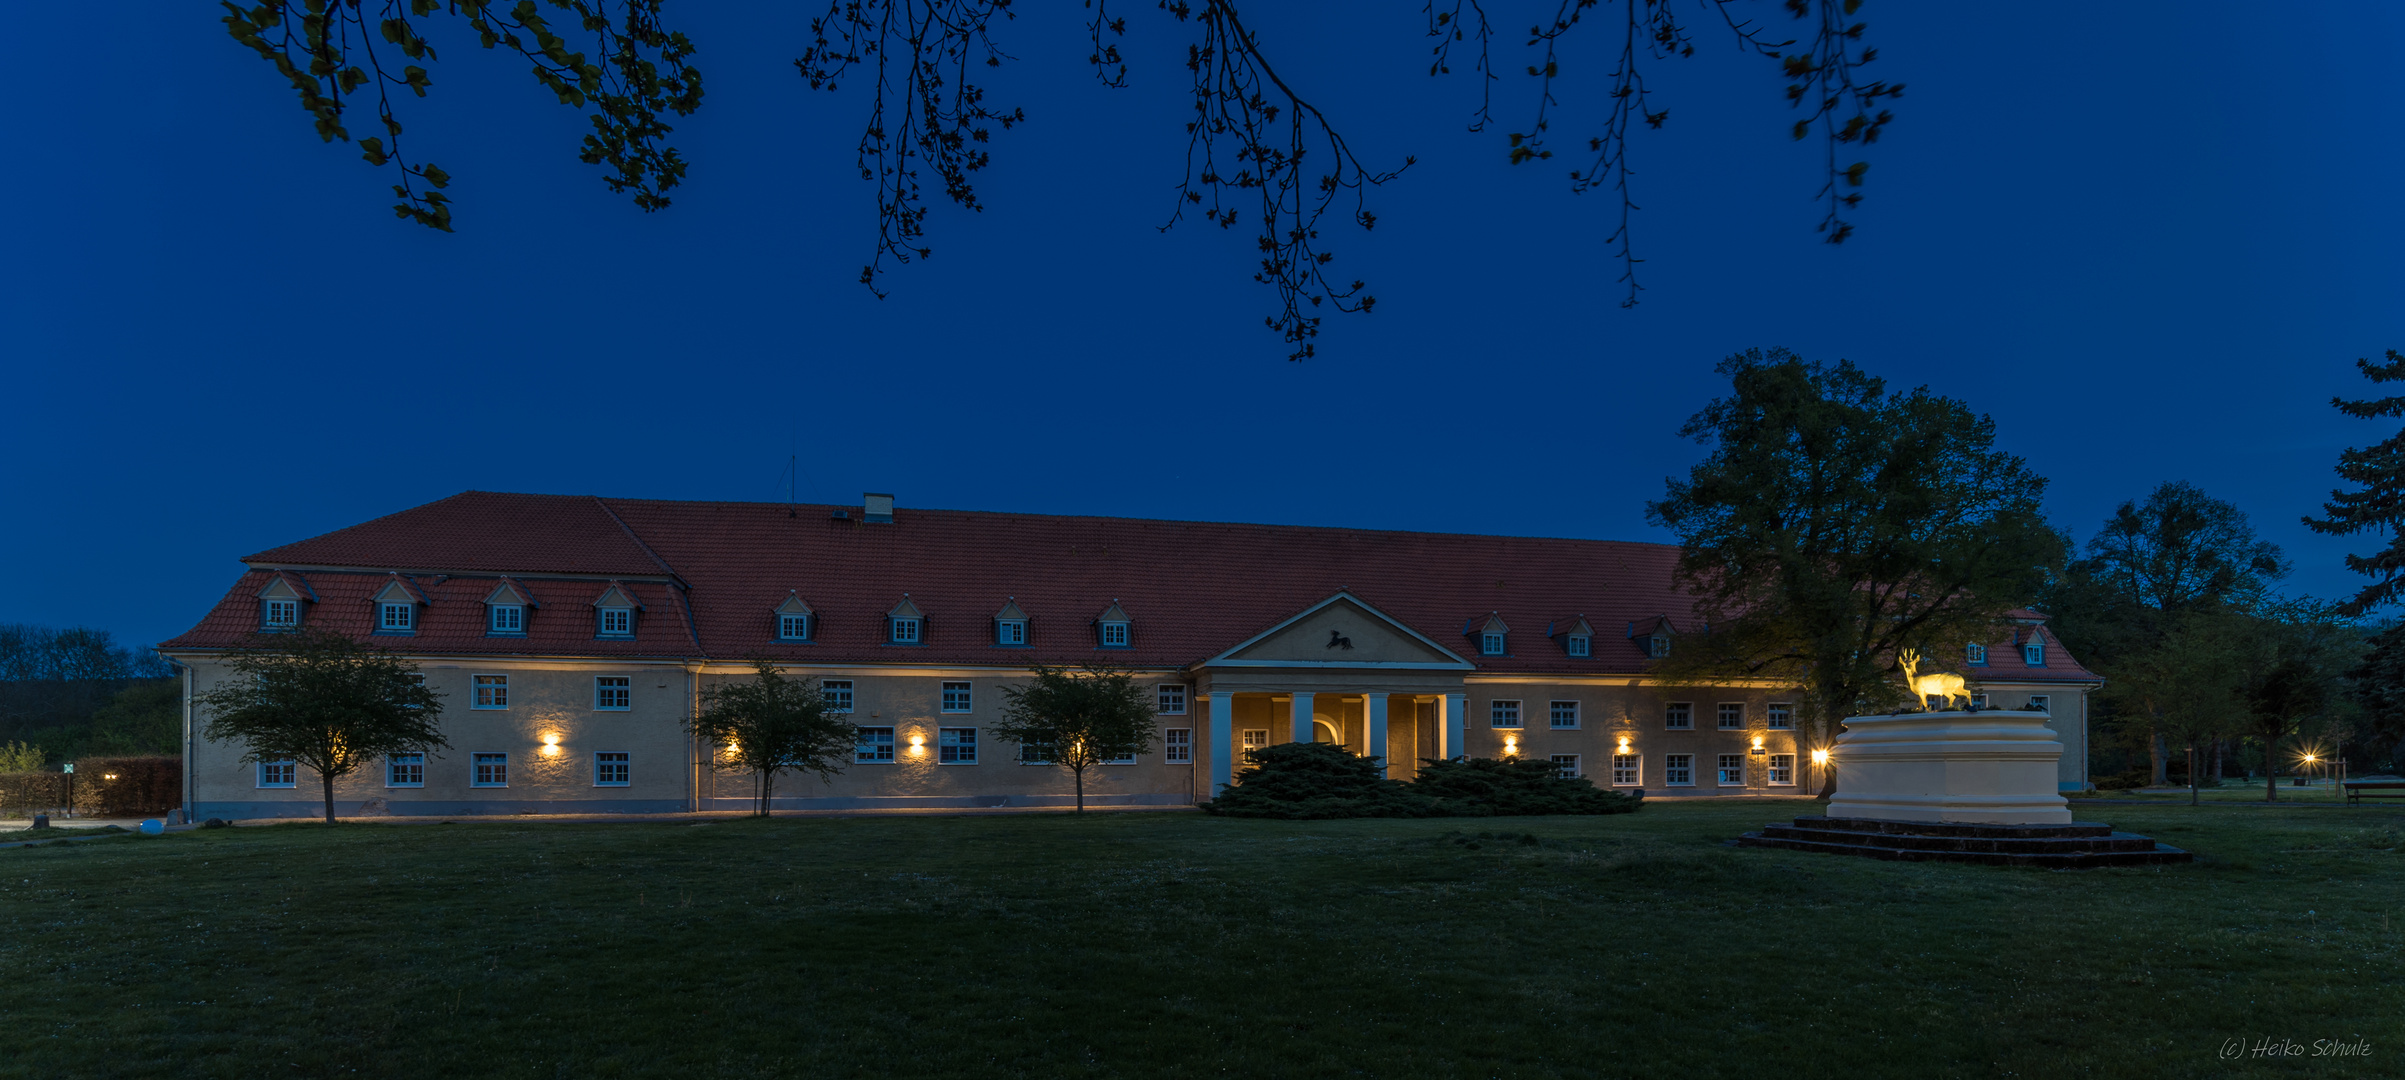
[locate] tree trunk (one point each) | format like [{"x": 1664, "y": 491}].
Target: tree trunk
[
  {"x": 2192, "y": 777},
  {"x": 768, "y": 791},
  {"x": 1081, "y": 789},
  {"x": 2217, "y": 762},
  {"x": 2271, "y": 774},
  {"x": 2161, "y": 749},
  {"x": 328, "y": 780}
]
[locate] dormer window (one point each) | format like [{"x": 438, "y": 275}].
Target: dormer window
[
  {"x": 793, "y": 618},
  {"x": 1578, "y": 638},
  {"x": 1975, "y": 654},
  {"x": 394, "y": 618},
  {"x": 2034, "y": 653},
  {"x": 905, "y": 624},
  {"x": 505, "y": 610},
  {"x": 1111, "y": 627},
  {"x": 614, "y": 612},
  {"x": 1491, "y": 635},
  {"x": 280, "y": 601},
  {"x": 1580, "y": 645},
  {"x": 280, "y": 614},
  {"x": 508, "y": 619},
  {"x": 1658, "y": 646},
  {"x": 1010, "y": 625},
  {"x": 1490, "y": 644},
  {"x": 617, "y": 622}
]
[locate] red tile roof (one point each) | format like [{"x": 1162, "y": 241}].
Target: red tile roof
[{"x": 1193, "y": 589}]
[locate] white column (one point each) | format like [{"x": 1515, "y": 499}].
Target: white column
[
  {"x": 1223, "y": 733},
  {"x": 1377, "y": 730},
  {"x": 1302, "y": 717},
  {"x": 1449, "y": 726}
]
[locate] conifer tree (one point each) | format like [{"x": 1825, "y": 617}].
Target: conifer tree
[{"x": 2378, "y": 501}]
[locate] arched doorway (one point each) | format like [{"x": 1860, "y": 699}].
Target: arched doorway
[{"x": 1324, "y": 730}]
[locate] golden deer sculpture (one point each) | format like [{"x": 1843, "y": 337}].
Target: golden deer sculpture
[{"x": 1943, "y": 685}]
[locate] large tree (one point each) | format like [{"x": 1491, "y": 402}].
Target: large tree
[
  {"x": 1078, "y": 719},
  {"x": 2377, "y": 501},
  {"x": 322, "y": 700},
  {"x": 771, "y": 724},
  {"x": 1835, "y": 523},
  {"x": 2186, "y": 686},
  {"x": 1258, "y": 149},
  {"x": 2291, "y": 667}
]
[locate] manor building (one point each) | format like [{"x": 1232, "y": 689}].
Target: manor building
[{"x": 571, "y": 637}]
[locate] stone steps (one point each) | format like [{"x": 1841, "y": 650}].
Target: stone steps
[{"x": 2070, "y": 847}]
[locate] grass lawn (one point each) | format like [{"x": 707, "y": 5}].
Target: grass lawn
[{"x": 1172, "y": 945}]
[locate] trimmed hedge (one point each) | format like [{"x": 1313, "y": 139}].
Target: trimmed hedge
[
  {"x": 141, "y": 786},
  {"x": 1324, "y": 780}
]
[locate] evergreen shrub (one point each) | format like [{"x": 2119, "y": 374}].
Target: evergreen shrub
[
  {"x": 1323, "y": 780},
  {"x": 1481, "y": 787}
]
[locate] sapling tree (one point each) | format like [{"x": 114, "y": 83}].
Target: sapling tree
[
  {"x": 322, "y": 700},
  {"x": 771, "y": 724},
  {"x": 1078, "y": 718}
]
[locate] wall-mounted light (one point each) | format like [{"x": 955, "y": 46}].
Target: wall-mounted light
[
  {"x": 1820, "y": 757},
  {"x": 1511, "y": 746},
  {"x": 918, "y": 744},
  {"x": 550, "y": 745},
  {"x": 1757, "y": 742},
  {"x": 1624, "y": 744}
]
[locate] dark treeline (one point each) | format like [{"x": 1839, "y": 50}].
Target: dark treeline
[{"x": 74, "y": 692}]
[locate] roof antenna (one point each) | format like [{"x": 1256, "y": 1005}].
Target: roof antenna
[{"x": 792, "y": 480}]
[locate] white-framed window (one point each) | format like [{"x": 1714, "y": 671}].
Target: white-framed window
[
  {"x": 1035, "y": 753},
  {"x": 492, "y": 692},
  {"x": 1172, "y": 698},
  {"x": 1504, "y": 713},
  {"x": 1658, "y": 646},
  {"x": 1627, "y": 770},
  {"x": 1565, "y": 766},
  {"x": 1782, "y": 770},
  {"x": 614, "y": 693},
  {"x": 280, "y": 614},
  {"x": 1114, "y": 635},
  {"x": 1254, "y": 739},
  {"x": 396, "y": 618},
  {"x": 1010, "y": 632},
  {"x": 507, "y": 619},
  {"x": 1579, "y": 645},
  {"x": 956, "y": 746},
  {"x": 617, "y": 622},
  {"x": 277, "y": 773},
  {"x": 1732, "y": 770},
  {"x": 873, "y": 744},
  {"x": 1565, "y": 714},
  {"x": 488, "y": 770},
  {"x": 1177, "y": 745},
  {"x": 1678, "y": 770},
  {"x": 957, "y": 697},
  {"x": 405, "y": 770},
  {"x": 2039, "y": 703},
  {"x": 793, "y": 627},
  {"x": 612, "y": 768},
  {"x": 1679, "y": 716},
  {"x": 1490, "y": 644},
  {"x": 1123, "y": 759},
  {"x": 1782, "y": 715},
  {"x": 838, "y": 693},
  {"x": 905, "y": 631},
  {"x": 1732, "y": 716},
  {"x": 2034, "y": 653},
  {"x": 1975, "y": 653}
]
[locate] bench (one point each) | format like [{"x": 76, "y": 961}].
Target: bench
[{"x": 2374, "y": 789}]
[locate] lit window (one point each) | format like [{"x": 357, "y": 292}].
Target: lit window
[
  {"x": 613, "y": 692},
  {"x": 1625, "y": 771},
  {"x": 1490, "y": 644},
  {"x": 793, "y": 627},
  {"x": 1679, "y": 716},
  {"x": 1565, "y": 714},
  {"x": 489, "y": 770},
  {"x": 906, "y": 632},
  {"x": 1678, "y": 770},
  {"x": 1732, "y": 770},
  {"x": 1504, "y": 714},
  {"x": 1658, "y": 646},
  {"x": 838, "y": 693},
  {"x": 492, "y": 692},
  {"x": 1975, "y": 653},
  {"x": 509, "y": 619},
  {"x": 1172, "y": 698},
  {"x": 282, "y": 613},
  {"x": 395, "y": 618},
  {"x": 2034, "y": 653},
  {"x": 2037, "y": 703},
  {"x": 1177, "y": 745},
  {"x": 405, "y": 770},
  {"x": 1782, "y": 716},
  {"x": 1114, "y": 635},
  {"x": 956, "y": 697},
  {"x": 611, "y": 769},
  {"x": 275, "y": 774},
  {"x": 1010, "y": 632},
  {"x": 956, "y": 746},
  {"x": 1732, "y": 715},
  {"x": 1782, "y": 770},
  {"x": 617, "y": 621},
  {"x": 1581, "y": 645},
  {"x": 1254, "y": 739},
  {"x": 1565, "y": 766},
  {"x": 873, "y": 744}
]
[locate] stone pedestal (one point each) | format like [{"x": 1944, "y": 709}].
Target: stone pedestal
[{"x": 1993, "y": 766}]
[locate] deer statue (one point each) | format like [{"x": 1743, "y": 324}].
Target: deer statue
[{"x": 1943, "y": 685}]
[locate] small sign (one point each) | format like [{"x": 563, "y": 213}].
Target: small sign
[
  {"x": 1758, "y": 751},
  {"x": 68, "y": 767}
]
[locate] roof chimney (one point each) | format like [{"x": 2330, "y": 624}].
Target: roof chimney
[{"x": 877, "y": 509}]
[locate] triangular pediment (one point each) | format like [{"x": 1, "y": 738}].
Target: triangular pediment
[
  {"x": 1491, "y": 624},
  {"x": 794, "y": 604},
  {"x": 1011, "y": 611},
  {"x": 398, "y": 591},
  {"x": 1575, "y": 628},
  {"x": 906, "y": 610},
  {"x": 616, "y": 596},
  {"x": 280, "y": 589},
  {"x": 1341, "y": 631},
  {"x": 509, "y": 592},
  {"x": 1114, "y": 613}
]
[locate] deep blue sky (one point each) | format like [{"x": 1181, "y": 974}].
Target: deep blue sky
[{"x": 2150, "y": 241}]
